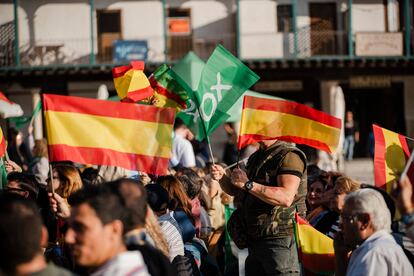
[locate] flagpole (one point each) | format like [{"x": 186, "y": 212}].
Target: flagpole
[
  {"x": 209, "y": 147},
  {"x": 6, "y": 154},
  {"x": 234, "y": 164},
  {"x": 205, "y": 130},
  {"x": 52, "y": 189},
  {"x": 407, "y": 166},
  {"x": 408, "y": 138},
  {"x": 48, "y": 150},
  {"x": 240, "y": 128}
]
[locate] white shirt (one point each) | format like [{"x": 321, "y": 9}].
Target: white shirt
[
  {"x": 129, "y": 263},
  {"x": 379, "y": 255},
  {"x": 182, "y": 152}
]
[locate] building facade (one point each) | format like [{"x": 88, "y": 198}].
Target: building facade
[{"x": 303, "y": 50}]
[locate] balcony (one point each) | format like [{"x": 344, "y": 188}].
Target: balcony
[
  {"x": 77, "y": 52},
  {"x": 323, "y": 45}
]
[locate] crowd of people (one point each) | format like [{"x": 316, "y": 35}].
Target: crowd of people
[{"x": 79, "y": 220}]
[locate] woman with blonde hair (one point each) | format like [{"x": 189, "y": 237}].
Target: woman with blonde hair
[
  {"x": 329, "y": 224},
  {"x": 66, "y": 180},
  {"x": 343, "y": 186}
]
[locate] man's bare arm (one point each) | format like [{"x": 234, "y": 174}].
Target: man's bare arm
[{"x": 282, "y": 195}]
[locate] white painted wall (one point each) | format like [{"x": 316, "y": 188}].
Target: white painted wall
[
  {"x": 6, "y": 13},
  {"x": 67, "y": 23},
  {"x": 368, "y": 16},
  {"x": 140, "y": 20},
  {"x": 52, "y": 22},
  {"x": 258, "y": 26},
  {"x": 258, "y": 30}
]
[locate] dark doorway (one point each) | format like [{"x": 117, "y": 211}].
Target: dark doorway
[
  {"x": 109, "y": 30},
  {"x": 323, "y": 28},
  {"x": 381, "y": 106}
]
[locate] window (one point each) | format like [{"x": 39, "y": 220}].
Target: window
[
  {"x": 284, "y": 18},
  {"x": 109, "y": 21}
]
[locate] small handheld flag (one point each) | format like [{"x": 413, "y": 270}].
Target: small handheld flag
[
  {"x": 3, "y": 149},
  {"x": 268, "y": 119},
  {"x": 130, "y": 82},
  {"x": 167, "y": 91},
  {"x": 390, "y": 156}
]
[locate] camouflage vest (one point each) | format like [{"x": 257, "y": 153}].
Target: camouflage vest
[{"x": 262, "y": 219}]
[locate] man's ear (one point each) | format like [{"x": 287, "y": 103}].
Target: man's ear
[
  {"x": 44, "y": 237},
  {"x": 365, "y": 220},
  {"x": 117, "y": 227}
]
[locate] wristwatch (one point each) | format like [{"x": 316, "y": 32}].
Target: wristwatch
[{"x": 248, "y": 185}]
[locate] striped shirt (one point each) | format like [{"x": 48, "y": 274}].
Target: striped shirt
[{"x": 171, "y": 231}]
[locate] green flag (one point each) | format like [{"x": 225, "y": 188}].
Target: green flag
[
  {"x": 188, "y": 73},
  {"x": 21, "y": 121},
  {"x": 189, "y": 69},
  {"x": 222, "y": 82}
]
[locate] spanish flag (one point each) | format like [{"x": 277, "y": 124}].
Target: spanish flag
[
  {"x": 2, "y": 144},
  {"x": 267, "y": 119},
  {"x": 316, "y": 250},
  {"x": 89, "y": 131},
  {"x": 167, "y": 91},
  {"x": 390, "y": 156},
  {"x": 130, "y": 82}
]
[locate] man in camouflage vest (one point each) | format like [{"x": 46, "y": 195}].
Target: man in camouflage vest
[{"x": 267, "y": 196}]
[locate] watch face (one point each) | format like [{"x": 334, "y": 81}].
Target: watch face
[{"x": 249, "y": 185}]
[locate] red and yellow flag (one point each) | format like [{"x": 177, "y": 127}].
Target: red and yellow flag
[
  {"x": 167, "y": 91},
  {"x": 131, "y": 84},
  {"x": 267, "y": 119},
  {"x": 89, "y": 131},
  {"x": 316, "y": 250},
  {"x": 3, "y": 147},
  {"x": 390, "y": 156}
]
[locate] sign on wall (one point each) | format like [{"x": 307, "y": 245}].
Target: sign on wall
[
  {"x": 379, "y": 44},
  {"x": 127, "y": 50},
  {"x": 179, "y": 25}
]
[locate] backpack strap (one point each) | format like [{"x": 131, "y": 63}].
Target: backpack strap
[{"x": 268, "y": 158}]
